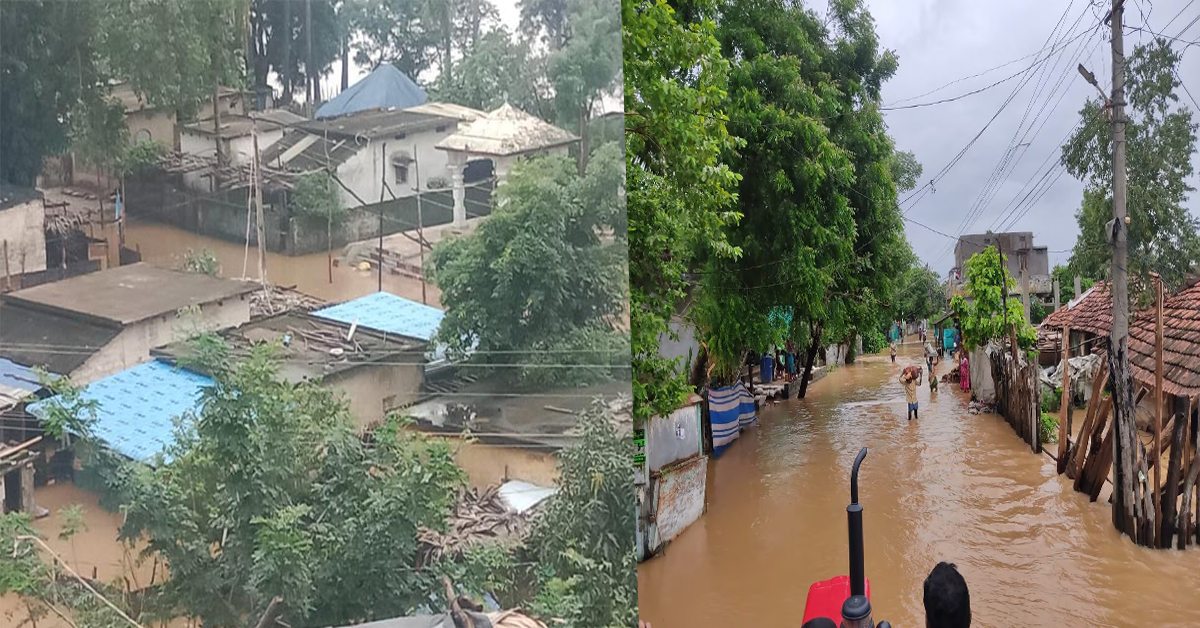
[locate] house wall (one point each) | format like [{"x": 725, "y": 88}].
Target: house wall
[
  {"x": 132, "y": 346},
  {"x": 488, "y": 465},
  {"x": 685, "y": 348},
  {"x": 371, "y": 389},
  {"x": 23, "y": 227},
  {"x": 239, "y": 150},
  {"x": 159, "y": 123},
  {"x": 362, "y": 172}
]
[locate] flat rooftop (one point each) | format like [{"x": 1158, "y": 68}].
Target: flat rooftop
[{"x": 129, "y": 294}]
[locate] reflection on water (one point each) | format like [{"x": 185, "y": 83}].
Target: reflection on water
[
  {"x": 950, "y": 486},
  {"x": 167, "y": 246}
]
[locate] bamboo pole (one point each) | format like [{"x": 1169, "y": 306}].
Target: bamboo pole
[
  {"x": 1090, "y": 433},
  {"x": 1064, "y": 431},
  {"x": 1158, "y": 407}
]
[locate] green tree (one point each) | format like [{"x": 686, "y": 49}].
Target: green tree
[
  {"x": 47, "y": 67},
  {"x": 279, "y": 41},
  {"x": 586, "y": 67},
  {"x": 174, "y": 52},
  {"x": 1065, "y": 276},
  {"x": 680, "y": 192},
  {"x": 201, "y": 262},
  {"x": 1160, "y": 134},
  {"x": 269, "y": 491},
  {"x": 987, "y": 316},
  {"x": 537, "y": 275},
  {"x": 588, "y": 570},
  {"x": 498, "y": 69},
  {"x": 905, "y": 169},
  {"x": 316, "y": 196},
  {"x": 921, "y": 294}
]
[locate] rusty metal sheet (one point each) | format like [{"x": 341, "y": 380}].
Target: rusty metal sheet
[{"x": 679, "y": 500}]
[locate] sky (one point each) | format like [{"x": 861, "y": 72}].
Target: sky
[{"x": 938, "y": 41}]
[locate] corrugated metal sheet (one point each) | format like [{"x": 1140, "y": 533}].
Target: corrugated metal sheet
[
  {"x": 674, "y": 438},
  {"x": 136, "y": 408},
  {"x": 17, "y": 383},
  {"x": 521, "y": 496},
  {"x": 678, "y": 500},
  {"x": 387, "y": 313}
]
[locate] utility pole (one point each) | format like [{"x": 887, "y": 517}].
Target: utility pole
[
  {"x": 1129, "y": 512},
  {"x": 258, "y": 203},
  {"x": 382, "y": 188}
]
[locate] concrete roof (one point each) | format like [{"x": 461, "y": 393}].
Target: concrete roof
[
  {"x": 449, "y": 110},
  {"x": 507, "y": 131},
  {"x": 241, "y": 126},
  {"x": 128, "y": 294},
  {"x": 136, "y": 408},
  {"x": 378, "y": 123},
  {"x": 57, "y": 343},
  {"x": 502, "y": 416},
  {"x": 13, "y": 195}
]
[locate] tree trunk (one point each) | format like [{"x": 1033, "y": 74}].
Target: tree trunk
[
  {"x": 814, "y": 343},
  {"x": 345, "y": 62},
  {"x": 583, "y": 138},
  {"x": 285, "y": 68}
]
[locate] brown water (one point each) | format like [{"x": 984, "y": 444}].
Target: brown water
[
  {"x": 949, "y": 486},
  {"x": 167, "y": 246}
]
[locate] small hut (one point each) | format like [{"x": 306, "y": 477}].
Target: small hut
[{"x": 1089, "y": 317}]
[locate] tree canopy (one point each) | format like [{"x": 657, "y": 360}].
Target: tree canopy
[
  {"x": 1160, "y": 134},
  {"x": 539, "y": 276},
  {"x": 987, "y": 315}
]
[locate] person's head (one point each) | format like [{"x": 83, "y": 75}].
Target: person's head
[{"x": 947, "y": 601}]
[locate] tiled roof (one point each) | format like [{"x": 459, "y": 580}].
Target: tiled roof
[
  {"x": 1091, "y": 312},
  {"x": 1181, "y": 344},
  {"x": 136, "y": 408},
  {"x": 506, "y": 131}
]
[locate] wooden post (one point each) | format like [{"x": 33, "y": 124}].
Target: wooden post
[
  {"x": 1158, "y": 407},
  {"x": 420, "y": 223},
  {"x": 7, "y": 276},
  {"x": 1168, "y": 495},
  {"x": 1089, "y": 433},
  {"x": 1064, "y": 431}
]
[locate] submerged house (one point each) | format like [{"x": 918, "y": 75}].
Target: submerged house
[
  {"x": 236, "y": 140},
  {"x": 1089, "y": 317},
  {"x": 22, "y": 234},
  {"x": 94, "y": 325}
]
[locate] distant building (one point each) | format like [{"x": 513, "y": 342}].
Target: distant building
[
  {"x": 236, "y": 139},
  {"x": 22, "y": 233},
  {"x": 1020, "y": 252},
  {"x": 94, "y": 325}
]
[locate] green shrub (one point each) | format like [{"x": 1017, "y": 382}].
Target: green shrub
[
  {"x": 874, "y": 341},
  {"x": 1052, "y": 403},
  {"x": 1048, "y": 427}
]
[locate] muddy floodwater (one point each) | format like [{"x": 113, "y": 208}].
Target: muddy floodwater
[
  {"x": 949, "y": 486},
  {"x": 167, "y": 247}
]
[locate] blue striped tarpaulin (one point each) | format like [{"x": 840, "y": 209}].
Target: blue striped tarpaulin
[{"x": 729, "y": 410}]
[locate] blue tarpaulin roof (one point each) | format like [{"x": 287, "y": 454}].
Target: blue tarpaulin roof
[
  {"x": 387, "y": 313},
  {"x": 384, "y": 88},
  {"x": 136, "y": 408}
]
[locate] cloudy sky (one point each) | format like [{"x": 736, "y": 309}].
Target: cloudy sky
[{"x": 939, "y": 41}]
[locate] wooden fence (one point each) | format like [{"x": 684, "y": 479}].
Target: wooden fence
[{"x": 1018, "y": 394}]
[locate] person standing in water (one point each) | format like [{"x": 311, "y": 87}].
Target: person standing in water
[
  {"x": 910, "y": 381},
  {"x": 892, "y": 351}
]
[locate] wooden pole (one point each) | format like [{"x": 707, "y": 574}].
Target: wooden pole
[
  {"x": 1158, "y": 407},
  {"x": 420, "y": 223},
  {"x": 7, "y": 275},
  {"x": 1064, "y": 432},
  {"x": 382, "y": 187}
]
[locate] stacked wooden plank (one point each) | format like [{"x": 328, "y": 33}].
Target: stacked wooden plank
[
  {"x": 1018, "y": 394},
  {"x": 477, "y": 517}
]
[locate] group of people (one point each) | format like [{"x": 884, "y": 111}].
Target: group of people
[
  {"x": 946, "y": 599},
  {"x": 786, "y": 363}
]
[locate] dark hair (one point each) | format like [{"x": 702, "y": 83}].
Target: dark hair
[
  {"x": 947, "y": 601},
  {"x": 820, "y": 622}
]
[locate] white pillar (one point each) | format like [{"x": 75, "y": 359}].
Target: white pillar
[{"x": 460, "y": 191}]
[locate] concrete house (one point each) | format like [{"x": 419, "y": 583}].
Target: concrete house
[
  {"x": 94, "y": 325},
  {"x": 22, "y": 234},
  {"x": 1018, "y": 247},
  {"x": 375, "y": 371},
  {"x": 236, "y": 139}
]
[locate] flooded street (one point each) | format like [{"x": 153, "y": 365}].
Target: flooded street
[
  {"x": 166, "y": 246},
  {"x": 950, "y": 486}
]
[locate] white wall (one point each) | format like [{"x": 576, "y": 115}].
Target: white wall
[
  {"x": 363, "y": 171},
  {"x": 24, "y": 228},
  {"x": 132, "y": 346},
  {"x": 239, "y": 150}
]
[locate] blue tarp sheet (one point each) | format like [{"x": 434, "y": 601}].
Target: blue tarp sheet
[
  {"x": 384, "y": 88},
  {"x": 729, "y": 410}
]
